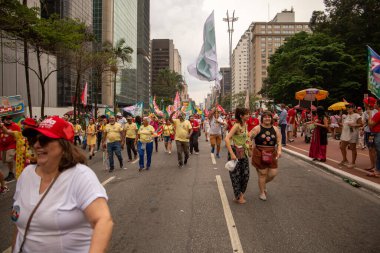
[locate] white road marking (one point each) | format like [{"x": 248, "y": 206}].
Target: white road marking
[
  {"x": 108, "y": 180},
  {"x": 232, "y": 230},
  {"x": 213, "y": 158},
  {"x": 215, "y": 168}
]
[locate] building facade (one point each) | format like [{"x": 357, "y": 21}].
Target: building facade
[
  {"x": 267, "y": 37},
  {"x": 162, "y": 57},
  {"x": 177, "y": 62},
  {"x": 143, "y": 52},
  {"x": 226, "y": 83}
]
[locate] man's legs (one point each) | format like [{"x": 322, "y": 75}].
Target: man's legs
[
  {"x": 149, "y": 151},
  {"x": 110, "y": 149},
  {"x": 141, "y": 154},
  {"x": 185, "y": 146},
  {"x": 283, "y": 134},
  {"x": 195, "y": 140},
  {"x": 129, "y": 143},
  {"x": 9, "y": 159},
  {"x": 212, "y": 142},
  {"x": 179, "y": 152},
  {"x": 191, "y": 143},
  {"x": 118, "y": 153}
]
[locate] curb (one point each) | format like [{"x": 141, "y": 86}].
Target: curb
[{"x": 369, "y": 185}]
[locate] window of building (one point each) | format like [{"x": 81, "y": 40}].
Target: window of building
[{"x": 262, "y": 38}]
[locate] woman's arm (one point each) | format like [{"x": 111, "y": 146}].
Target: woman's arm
[
  {"x": 279, "y": 145},
  {"x": 99, "y": 216},
  {"x": 227, "y": 140}
]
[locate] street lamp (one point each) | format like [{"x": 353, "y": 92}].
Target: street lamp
[{"x": 230, "y": 30}]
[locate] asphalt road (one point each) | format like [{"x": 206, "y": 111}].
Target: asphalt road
[{"x": 171, "y": 209}]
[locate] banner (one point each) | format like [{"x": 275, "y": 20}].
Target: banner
[
  {"x": 373, "y": 72},
  {"x": 177, "y": 102},
  {"x": 135, "y": 110},
  {"x": 108, "y": 113},
  {"x": 11, "y": 105},
  {"x": 157, "y": 110}
]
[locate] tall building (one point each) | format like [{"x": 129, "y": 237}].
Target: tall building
[
  {"x": 177, "y": 62},
  {"x": 162, "y": 57},
  {"x": 143, "y": 52},
  {"x": 226, "y": 81},
  {"x": 12, "y": 75},
  {"x": 240, "y": 65},
  {"x": 66, "y": 76},
  {"x": 266, "y": 38}
]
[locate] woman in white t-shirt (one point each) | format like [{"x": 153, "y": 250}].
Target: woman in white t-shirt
[
  {"x": 350, "y": 135},
  {"x": 59, "y": 204}
]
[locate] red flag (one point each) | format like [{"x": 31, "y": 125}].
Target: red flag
[
  {"x": 83, "y": 97},
  {"x": 220, "y": 108}
]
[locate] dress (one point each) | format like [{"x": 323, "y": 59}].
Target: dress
[
  {"x": 318, "y": 145},
  {"x": 91, "y": 135},
  {"x": 266, "y": 140},
  {"x": 59, "y": 224},
  {"x": 350, "y": 134}
]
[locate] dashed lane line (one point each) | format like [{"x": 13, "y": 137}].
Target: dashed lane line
[
  {"x": 232, "y": 230},
  {"x": 213, "y": 158},
  {"x": 108, "y": 180}
]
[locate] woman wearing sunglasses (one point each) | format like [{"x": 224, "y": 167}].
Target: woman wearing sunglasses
[{"x": 59, "y": 204}]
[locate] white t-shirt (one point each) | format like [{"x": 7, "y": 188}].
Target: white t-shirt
[
  {"x": 216, "y": 126},
  {"x": 365, "y": 119},
  {"x": 350, "y": 134},
  {"x": 59, "y": 224}
]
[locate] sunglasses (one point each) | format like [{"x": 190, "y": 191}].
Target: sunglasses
[{"x": 42, "y": 140}]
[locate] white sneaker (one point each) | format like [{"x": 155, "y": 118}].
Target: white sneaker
[
  {"x": 263, "y": 197},
  {"x": 196, "y": 153},
  {"x": 170, "y": 152}
]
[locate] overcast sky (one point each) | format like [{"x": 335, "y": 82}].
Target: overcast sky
[{"x": 182, "y": 21}]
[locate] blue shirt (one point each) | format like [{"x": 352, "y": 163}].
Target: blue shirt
[{"x": 283, "y": 116}]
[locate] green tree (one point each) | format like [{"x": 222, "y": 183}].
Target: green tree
[
  {"x": 168, "y": 83},
  {"x": 238, "y": 100},
  {"x": 226, "y": 102},
  {"x": 311, "y": 60}
]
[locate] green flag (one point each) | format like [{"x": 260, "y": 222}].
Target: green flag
[{"x": 108, "y": 112}]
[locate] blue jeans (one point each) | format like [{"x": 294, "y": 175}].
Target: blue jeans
[
  {"x": 377, "y": 146},
  {"x": 283, "y": 134},
  {"x": 141, "y": 150},
  {"x": 111, "y": 148}
]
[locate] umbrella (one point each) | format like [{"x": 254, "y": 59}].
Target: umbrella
[
  {"x": 311, "y": 94},
  {"x": 338, "y": 106}
]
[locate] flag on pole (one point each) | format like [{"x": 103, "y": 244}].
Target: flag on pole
[
  {"x": 177, "y": 102},
  {"x": 220, "y": 108},
  {"x": 83, "y": 97},
  {"x": 136, "y": 109},
  {"x": 373, "y": 72},
  {"x": 156, "y": 108},
  {"x": 108, "y": 112},
  {"x": 206, "y": 66},
  {"x": 246, "y": 104}
]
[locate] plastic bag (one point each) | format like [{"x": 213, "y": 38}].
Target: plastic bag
[{"x": 230, "y": 165}]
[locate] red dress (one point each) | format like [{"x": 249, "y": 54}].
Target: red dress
[{"x": 318, "y": 145}]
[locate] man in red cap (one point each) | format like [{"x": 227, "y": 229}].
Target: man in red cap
[
  {"x": 8, "y": 145},
  {"x": 24, "y": 153},
  {"x": 369, "y": 137}
]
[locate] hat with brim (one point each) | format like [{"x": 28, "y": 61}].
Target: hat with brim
[{"x": 29, "y": 122}]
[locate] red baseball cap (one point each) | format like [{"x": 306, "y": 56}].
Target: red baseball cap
[
  {"x": 371, "y": 101},
  {"x": 52, "y": 127},
  {"x": 29, "y": 122}
]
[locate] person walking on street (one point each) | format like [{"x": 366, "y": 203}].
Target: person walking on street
[
  {"x": 369, "y": 137},
  {"x": 350, "y": 135},
  {"x": 130, "y": 129},
  {"x": 283, "y": 124},
  {"x": 318, "y": 145},
  {"x": 168, "y": 134},
  {"x": 91, "y": 137},
  {"x": 206, "y": 128},
  {"x": 238, "y": 151},
  {"x": 113, "y": 140},
  {"x": 183, "y": 131},
  {"x": 374, "y": 124},
  {"x": 291, "y": 119},
  {"x": 266, "y": 152},
  {"x": 59, "y": 204},
  {"x": 77, "y": 133},
  {"x": 8, "y": 146},
  {"x": 144, "y": 141},
  {"x": 155, "y": 124},
  {"x": 121, "y": 119},
  {"x": 99, "y": 132},
  {"x": 216, "y": 123},
  {"x": 194, "y": 136}
]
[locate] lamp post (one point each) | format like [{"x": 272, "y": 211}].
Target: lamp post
[{"x": 230, "y": 30}]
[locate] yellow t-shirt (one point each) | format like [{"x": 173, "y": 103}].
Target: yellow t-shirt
[
  {"x": 146, "y": 133},
  {"x": 77, "y": 129},
  {"x": 130, "y": 130},
  {"x": 113, "y": 132},
  {"x": 167, "y": 130},
  {"x": 182, "y": 130},
  {"x": 91, "y": 129}
]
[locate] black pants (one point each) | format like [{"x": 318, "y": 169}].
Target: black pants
[
  {"x": 77, "y": 138},
  {"x": 131, "y": 147},
  {"x": 156, "y": 143},
  {"x": 99, "y": 140},
  {"x": 283, "y": 133},
  {"x": 240, "y": 177},
  {"x": 194, "y": 142}
]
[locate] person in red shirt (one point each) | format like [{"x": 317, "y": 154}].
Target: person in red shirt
[
  {"x": 8, "y": 146},
  {"x": 230, "y": 122},
  {"x": 291, "y": 122},
  {"x": 374, "y": 124},
  {"x": 252, "y": 122},
  {"x": 194, "y": 136}
]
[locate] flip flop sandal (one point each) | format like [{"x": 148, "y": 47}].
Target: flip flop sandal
[
  {"x": 370, "y": 169},
  {"x": 373, "y": 175}
]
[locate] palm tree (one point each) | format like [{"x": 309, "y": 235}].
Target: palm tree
[
  {"x": 169, "y": 82},
  {"x": 119, "y": 52}
]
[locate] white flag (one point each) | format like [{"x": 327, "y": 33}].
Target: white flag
[{"x": 206, "y": 66}]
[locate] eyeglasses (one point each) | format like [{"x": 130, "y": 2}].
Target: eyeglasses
[{"x": 42, "y": 140}]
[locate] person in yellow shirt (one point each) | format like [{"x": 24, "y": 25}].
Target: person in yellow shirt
[
  {"x": 168, "y": 134},
  {"x": 77, "y": 133},
  {"x": 91, "y": 137},
  {"x": 144, "y": 140},
  {"x": 183, "y": 130},
  {"x": 130, "y": 129},
  {"x": 113, "y": 139}
]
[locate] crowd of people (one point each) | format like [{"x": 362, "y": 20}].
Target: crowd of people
[{"x": 46, "y": 159}]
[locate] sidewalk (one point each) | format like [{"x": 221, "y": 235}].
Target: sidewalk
[{"x": 334, "y": 157}]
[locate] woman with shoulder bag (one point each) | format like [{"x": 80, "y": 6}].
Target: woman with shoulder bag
[
  {"x": 266, "y": 152},
  {"x": 239, "y": 150}
]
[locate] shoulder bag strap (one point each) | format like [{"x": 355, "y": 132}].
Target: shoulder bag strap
[{"x": 34, "y": 210}]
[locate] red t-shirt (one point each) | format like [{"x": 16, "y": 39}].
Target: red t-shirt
[
  {"x": 251, "y": 123},
  {"x": 8, "y": 141},
  {"x": 303, "y": 114},
  {"x": 376, "y": 118},
  {"x": 195, "y": 123},
  {"x": 230, "y": 124},
  {"x": 292, "y": 114}
]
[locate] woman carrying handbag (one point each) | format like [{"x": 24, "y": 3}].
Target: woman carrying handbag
[{"x": 266, "y": 152}]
